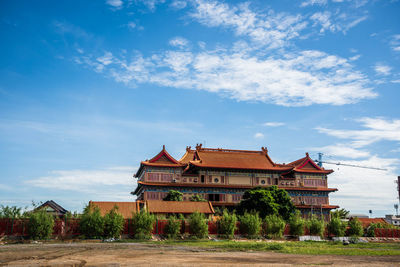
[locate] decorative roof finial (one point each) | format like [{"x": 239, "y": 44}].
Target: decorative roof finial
[
  {"x": 264, "y": 149},
  {"x": 198, "y": 146},
  {"x": 307, "y": 155},
  {"x": 188, "y": 148},
  {"x": 163, "y": 147}
]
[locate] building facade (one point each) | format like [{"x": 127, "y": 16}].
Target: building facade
[{"x": 223, "y": 175}]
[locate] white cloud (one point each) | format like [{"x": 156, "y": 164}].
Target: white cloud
[
  {"x": 270, "y": 29},
  {"x": 86, "y": 181},
  {"x": 288, "y": 79},
  {"x": 377, "y": 129},
  {"x": 313, "y": 2},
  {"x": 179, "y": 42},
  {"x": 131, "y": 25},
  {"x": 258, "y": 136},
  {"x": 362, "y": 189},
  {"x": 178, "y": 4},
  {"x": 395, "y": 43},
  {"x": 106, "y": 59},
  {"x": 342, "y": 150},
  {"x": 117, "y": 4},
  {"x": 382, "y": 69},
  {"x": 273, "y": 124},
  {"x": 335, "y": 23}
]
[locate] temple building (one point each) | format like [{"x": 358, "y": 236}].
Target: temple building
[{"x": 221, "y": 176}]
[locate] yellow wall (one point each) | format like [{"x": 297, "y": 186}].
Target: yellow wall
[{"x": 245, "y": 180}]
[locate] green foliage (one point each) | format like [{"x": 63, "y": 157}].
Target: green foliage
[
  {"x": 267, "y": 201},
  {"x": 173, "y": 227},
  {"x": 341, "y": 214},
  {"x": 355, "y": 228},
  {"x": 174, "y": 195},
  {"x": 40, "y": 224},
  {"x": 274, "y": 226},
  {"x": 143, "y": 224},
  {"x": 91, "y": 224},
  {"x": 11, "y": 212},
  {"x": 227, "y": 224},
  {"x": 197, "y": 198},
  {"x": 336, "y": 226},
  {"x": 315, "y": 226},
  {"x": 250, "y": 224},
  {"x": 113, "y": 223},
  {"x": 198, "y": 225},
  {"x": 296, "y": 224}
]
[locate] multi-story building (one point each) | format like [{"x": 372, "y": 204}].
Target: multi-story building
[{"x": 223, "y": 175}]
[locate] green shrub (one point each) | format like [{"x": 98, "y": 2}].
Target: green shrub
[
  {"x": 173, "y": 195},
  {"x": 41, "y": 224},
  {"x": 173, "y": 227},
  {"x": 91, "y": 224},
  {"x": 355, "y": 228},
  {"x": 197, "y": 198},
  {"x": 315, "y": 226},
  {"x": 371, "y": 229},
  {"x": 227, "y": 224},
  {"x": 250, "y": 225},
  {"x": 10, "y": 212},
  {"x": 143, "y": 224},
  {"x": 197, "y": 225},
  {"x": 113, "y": 223},
  {"x": 336, "y": 227},
  {"x": 296, "y": 224},
  {"x": 274, "y": 226}
]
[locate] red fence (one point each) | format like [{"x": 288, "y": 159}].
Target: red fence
[{"x": 70, "y": 228}]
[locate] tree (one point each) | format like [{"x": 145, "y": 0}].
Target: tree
[
  {"x": 143, "y": 224},
  {"x": 336, "y": 226},
  {"x": 296, "y": 224},
  {"x": 355, "y": 228},
  {"x": 341, "y": 214},
  {"x": 91, "y": 224},
  {"x": 113, "y": 223},
  {"x": 197, "y": 198},
  {"x": 10, "y": 212},
  {"x": 174, "y": 195},
  {"x": 315, "y": 226},
  {"x": 197, "y": 225},
  {"x": 274, "y": 226},
  {"x": 250, "y": 224},
  {"x": 40, "y": 224},
  {"x": 227, "y": 224},
  {"x": 173, "y": 227},
  {"x": 267, "y": 201}
]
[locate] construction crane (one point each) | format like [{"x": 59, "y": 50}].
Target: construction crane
[{"x": 319, "y": 161}]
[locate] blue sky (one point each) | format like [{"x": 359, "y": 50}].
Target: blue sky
[{"x": 88, "y": 89}]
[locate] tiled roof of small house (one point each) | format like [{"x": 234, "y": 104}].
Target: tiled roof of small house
[
  {"x": 160, "y": 206},
  {"x": 57, "y": 208},
  {"x": 126, "y": 209},
  {"x": 367, "y": 221}
]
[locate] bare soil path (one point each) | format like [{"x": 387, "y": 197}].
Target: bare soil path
[{"x": 142, "y": 254}]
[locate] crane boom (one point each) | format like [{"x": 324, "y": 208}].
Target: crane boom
[{"x": 351, "y": 165}]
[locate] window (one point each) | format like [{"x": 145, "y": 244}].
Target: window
[
  {"x": 210, "y": 179},
  {"x": 222, "y": 179},
  {"x": 262, "y": 181},
  {"x": 213, "y": 197},
  {"x": 216, "y": 180},
  {"x": 153, "y": 176},
  {"x": 202, "y": 179},
  {"x": 236, "y": 198},
  {"x": 275, "y": 181}
]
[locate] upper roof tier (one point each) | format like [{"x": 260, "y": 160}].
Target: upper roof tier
[{"x": 231, "y": 159}]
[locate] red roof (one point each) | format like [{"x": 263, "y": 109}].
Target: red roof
[
  {"x": 232, "y": 159},
  {"x": 126, "y": 209},
  {"x": 367, "y": 221},
  {"x": 307, "y": 165}
]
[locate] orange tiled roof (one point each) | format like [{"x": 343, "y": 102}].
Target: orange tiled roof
[
  {"x": 126, "y": 209},
  {"x": 367, "y": 221},
  {"x": 234, "y": 159},
  {"x": 160, "y": 206},
  {"x": 307, "y": 165}
]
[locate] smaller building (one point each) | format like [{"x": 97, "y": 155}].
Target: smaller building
[
  {"x": 53, "y": 208},
  {"x": 157, "y": 207},
  {"x": 393, "y": 219},
  {"x": 367, "y": 221}
]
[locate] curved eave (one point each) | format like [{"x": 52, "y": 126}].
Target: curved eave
[
  {"x": 323, "y": 189},
  {"x": 316, "y": 206},
  {"x": 237, "y": 168},
  {"x": 312, "y": 171}
]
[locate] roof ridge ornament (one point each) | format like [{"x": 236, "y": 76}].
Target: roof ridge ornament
[
  {"x": 198, "y": 146},
  {"x": 188, "y": 148},
  {"x": 264, "y": 150}
]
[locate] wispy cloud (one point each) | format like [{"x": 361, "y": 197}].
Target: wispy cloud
[
  {"x": 377, "y": 129},
  {"x": 86, "y": 181},
  {"x": 382, "y": 69},
  {"x": 116, "y": 4},
  {"x": 273, "y": 124},
  {"x": 179, "y": 42},
  {"x": 313, "y": 2},
  {"x": 272, "y": 29},
  {"x": 290, "y": 79},
  {"x": 395, "y": 43},
  {"x": 258, "y": 136}
]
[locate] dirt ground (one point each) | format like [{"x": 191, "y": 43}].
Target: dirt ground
[{"x": 127, "y": 254}]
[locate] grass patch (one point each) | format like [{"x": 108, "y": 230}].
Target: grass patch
[{"x": 310, "y": 248}]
